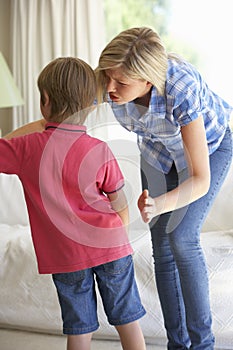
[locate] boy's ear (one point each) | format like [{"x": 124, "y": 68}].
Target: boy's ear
[{"x": 45, "y": 99}]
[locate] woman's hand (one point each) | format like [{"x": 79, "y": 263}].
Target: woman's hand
[{"x": 147, "y": 206}]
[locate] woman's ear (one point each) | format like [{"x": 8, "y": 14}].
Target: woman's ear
[{"x": 149, "y": 84}]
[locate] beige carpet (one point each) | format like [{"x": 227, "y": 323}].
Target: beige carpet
[{"x": 20, "y": 340}]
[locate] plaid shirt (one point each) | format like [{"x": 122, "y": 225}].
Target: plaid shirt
[{"x": 158, "y": 128}]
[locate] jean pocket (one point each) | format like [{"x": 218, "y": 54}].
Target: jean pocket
[
  {"x": 118, "y": 266},
  {"x": 69, "y": 278}
]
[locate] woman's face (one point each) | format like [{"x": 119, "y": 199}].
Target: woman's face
[{"x": 122, "y": 89}]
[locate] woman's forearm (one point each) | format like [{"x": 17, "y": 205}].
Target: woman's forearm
[
  {"x": 37, "y": 126},
  {"x": 187, "y": 192}
]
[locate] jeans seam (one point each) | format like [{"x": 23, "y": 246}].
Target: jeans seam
[
  {"x": 179, "y": 308},
  {"x": 213, "y": 193}
]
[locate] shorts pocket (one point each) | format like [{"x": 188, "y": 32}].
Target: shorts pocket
[
  {"x": 118, "y": 266},
  {"x": 70, "y": 278}
]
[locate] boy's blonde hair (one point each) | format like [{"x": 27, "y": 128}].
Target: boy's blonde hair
[
  {"x": 71, "y": 86},
  {"x": 140, "y": 54}
]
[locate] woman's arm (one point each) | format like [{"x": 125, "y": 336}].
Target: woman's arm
[
  {"x": 37, "y": 126},
  {"x": 196, "y": 186},
  {"x": 119, "y": 204}
]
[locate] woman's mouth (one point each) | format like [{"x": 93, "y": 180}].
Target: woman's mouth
[{"x": 113, "y": 97}]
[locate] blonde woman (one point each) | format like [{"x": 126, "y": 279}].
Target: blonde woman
[{"x": 186, "y": 151}]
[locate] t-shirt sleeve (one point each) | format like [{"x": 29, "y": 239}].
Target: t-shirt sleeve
[
  {"x": 109, "y": 177},
  {"x": 11, "y": 152}
]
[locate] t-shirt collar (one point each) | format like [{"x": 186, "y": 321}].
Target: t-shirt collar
[{"x": 66, "y": 127}]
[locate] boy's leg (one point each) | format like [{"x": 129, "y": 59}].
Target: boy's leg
[
  {"x": 79, "y": 342},
  {"x": 77, "y": 298},
  {"x": 131, "y": 336},
  {"x": 121, "y": 300}
]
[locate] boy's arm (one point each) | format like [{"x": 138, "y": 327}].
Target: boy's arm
[
  {"x": 119, "y": 204},
  {"x": 37, "y": 126}
]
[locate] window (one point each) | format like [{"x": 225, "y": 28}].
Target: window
[{"x": 198, "y": 30}]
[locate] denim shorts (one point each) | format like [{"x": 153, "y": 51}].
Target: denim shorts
[{"x": 117, "y": 288}]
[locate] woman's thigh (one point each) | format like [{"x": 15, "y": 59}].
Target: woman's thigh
[{"x": 184, "y": 224}]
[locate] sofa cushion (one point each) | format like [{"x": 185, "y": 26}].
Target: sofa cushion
[
  {"x": 28, "y": 300},
  {"x": 13, "y": 209}
]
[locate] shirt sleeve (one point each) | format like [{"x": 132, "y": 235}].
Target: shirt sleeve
[
  {"x": 188, "y": 91},
  {"x": 109, "y": 177},
  {"x": 11, "y": 152}
]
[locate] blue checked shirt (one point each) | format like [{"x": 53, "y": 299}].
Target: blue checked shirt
[{"x": 158, "y": 130}]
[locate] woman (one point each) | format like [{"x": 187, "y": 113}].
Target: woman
[{"x": 186, "y": 151}]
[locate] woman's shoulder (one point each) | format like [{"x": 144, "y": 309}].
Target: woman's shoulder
[{"x": 181, "y": 75}]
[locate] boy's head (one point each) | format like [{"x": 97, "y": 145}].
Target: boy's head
[{"x": 67, "y": 86}]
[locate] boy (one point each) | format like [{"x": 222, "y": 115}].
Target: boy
[{"x": 77, "y": 208}]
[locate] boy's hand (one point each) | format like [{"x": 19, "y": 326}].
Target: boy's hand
[{"x": 147, "y": 207}]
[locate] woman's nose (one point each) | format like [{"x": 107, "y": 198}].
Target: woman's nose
[{"x": 111, "y": 86}]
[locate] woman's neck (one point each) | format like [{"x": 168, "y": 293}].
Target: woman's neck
[{"x": 144, "y": 100}]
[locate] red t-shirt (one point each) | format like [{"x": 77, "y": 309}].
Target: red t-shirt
[{"x": 66, "y": 174}]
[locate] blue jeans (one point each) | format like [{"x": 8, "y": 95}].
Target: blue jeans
[
  {"x": 118, "y": 290},
  {"x": 180, "y": 267}
]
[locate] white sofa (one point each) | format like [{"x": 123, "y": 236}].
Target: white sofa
[{"x": 28, "y": 300}]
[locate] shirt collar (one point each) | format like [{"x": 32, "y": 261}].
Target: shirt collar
[
  {"x": 157, "y": 105},
  {"x": 66, "y": 127}
]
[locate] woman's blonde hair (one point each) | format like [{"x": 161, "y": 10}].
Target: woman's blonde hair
[
  {"x": 140, "y": 54},
  {"x": 70, "y": 84}
]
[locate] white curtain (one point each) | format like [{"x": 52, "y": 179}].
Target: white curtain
[{"x": 46, "y": 29}]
